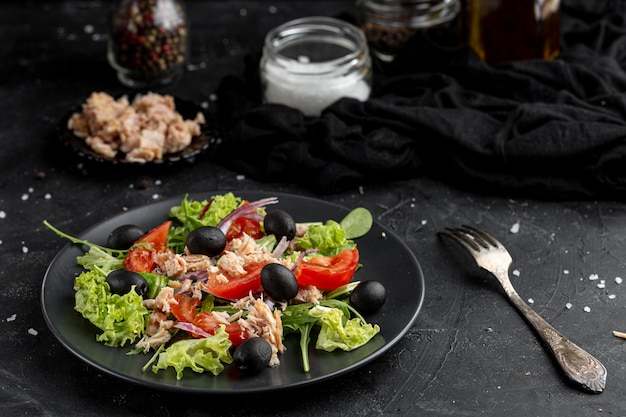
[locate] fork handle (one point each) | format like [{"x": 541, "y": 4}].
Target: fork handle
[{"x": 578, "y": 365}]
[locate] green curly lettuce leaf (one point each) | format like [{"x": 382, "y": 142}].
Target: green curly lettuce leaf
[
  {"x": 122, "y": 318},
  {"x": 329, "y": 239},
  {"x": 205, "y": 354},
  {"x": 338, "y": 332},
  {"x": 193, "y": 214}
]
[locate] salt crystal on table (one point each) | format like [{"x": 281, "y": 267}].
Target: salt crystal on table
[
  {"x": 568, "y": 305},
  {"x": 33, "y": 332},
  {"x": 516, "y": 272},
  {"x": 587, "y": 309},
  {"x": 515, "y": 228},
  {"x": 3, "y": 214},
  {"x": 13, "y": 317},
  {"x": 593, "y": 277},
  {"x": 618, "y": 280}
]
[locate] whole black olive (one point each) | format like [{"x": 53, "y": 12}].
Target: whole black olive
[
  {"x": 368, "y": 297},
  {"x": 206, "y": 240},
  {"x": 279, "y": 223},
  {"x": 252, "y": 355},
  {"x": 279, "y": 282},
  {"x": 122, "y": 280},
  {"x": 124, "y": 236}
]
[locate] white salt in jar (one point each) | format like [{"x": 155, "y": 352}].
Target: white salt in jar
[{"x": 312, "y": 62}]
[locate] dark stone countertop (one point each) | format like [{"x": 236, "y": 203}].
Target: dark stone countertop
[{"x": 469, "y": 352}]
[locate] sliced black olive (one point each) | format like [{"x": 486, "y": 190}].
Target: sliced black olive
[
  {"x": 206, "y": 240},
  {"x": 124, "y": 236},
  {"x": 279, "y": 282},
  {"x": 279, "y": 223},
  {"x": 252, "y": 355},
  {"x": 122, "y": 280},
  {"x": 368, "y": 297}
]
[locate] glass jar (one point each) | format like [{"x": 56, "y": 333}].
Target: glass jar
[
  {"x": 389, "y": 24},
  {"x": 147, "y": 41},
  {"x": 310, "y": 63},
  {"x": 502, "y": 31}
]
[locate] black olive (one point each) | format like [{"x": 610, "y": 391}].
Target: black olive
[
  {"x": 279, "y": 282},
  {"x": 279, "y": 223},
  {"x": 206, "y": 240},
  {"x": 252, "y": 355},
  {"x": 124, "y": 236},
  {"x": 368, "y": 297},
  {"x": 121, "y": 281}
]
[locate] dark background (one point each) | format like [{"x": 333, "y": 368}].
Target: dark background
[{"x": 468, "y": 354}]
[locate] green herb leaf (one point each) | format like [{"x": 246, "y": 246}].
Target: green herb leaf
[{"x": 357, "y": 223}]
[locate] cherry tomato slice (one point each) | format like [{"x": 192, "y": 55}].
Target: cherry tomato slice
[
  {"x": 158, "y": 235},
  {"x": 236, "y": 287},
  {"x": 185, "y": 310},
  {"x": 328, "y": 272},
  {"x": 242, "y": 225},
  {"x": 139, "y": 257},
  {"x": 209, "y": 324}
]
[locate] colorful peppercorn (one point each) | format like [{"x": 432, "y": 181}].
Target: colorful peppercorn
[{"x": 148, "y": 41}]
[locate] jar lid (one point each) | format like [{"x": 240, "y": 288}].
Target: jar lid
[
  {"x": 410, "y": 13},
  {"x": 315, "y": 45}
]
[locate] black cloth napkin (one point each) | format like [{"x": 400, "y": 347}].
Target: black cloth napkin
[{"x": 535, "y": 128}]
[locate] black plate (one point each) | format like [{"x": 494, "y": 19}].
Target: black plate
[
  {"x": 384, "y": 257},
  {"x": 188, "y": 109}
]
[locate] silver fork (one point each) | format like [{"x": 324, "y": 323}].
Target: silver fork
[{"x": 579, "y": 366}]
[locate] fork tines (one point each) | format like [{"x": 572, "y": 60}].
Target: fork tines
[{"x": 471, "y": 237}]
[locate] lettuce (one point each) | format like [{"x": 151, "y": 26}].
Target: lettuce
[
  {"x": 336, "y": 332},
  {"x": 206, "y": 354},
  {"x": 98, "y": 257},
  {"x": 122, "y": 318},
  {"x": 193, "y": 214},
  {"x": 329, "y": 239}
]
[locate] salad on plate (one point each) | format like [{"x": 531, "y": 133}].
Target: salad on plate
[{"x": 223, "y": 281}]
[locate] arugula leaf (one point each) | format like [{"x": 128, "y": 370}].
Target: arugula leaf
[{"x": 97, "y": 256}]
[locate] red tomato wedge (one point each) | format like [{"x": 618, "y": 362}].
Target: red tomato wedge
[
  {"x": 328, "y": 272},
  {"x": 209, "y": 324},
  {"x": 139, "y": 258},
  {"x": 185, "y": 310},
  {"x": 236, "y": 287},
  {"x": 242, "y": 225}
]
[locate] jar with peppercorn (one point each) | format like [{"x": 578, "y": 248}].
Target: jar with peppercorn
[
  {"x": 148, "y": 41},
  {"x": 390, "y": 24}
]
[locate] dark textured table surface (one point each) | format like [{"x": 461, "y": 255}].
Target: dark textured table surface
[{"x": 469, "y": 352}]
